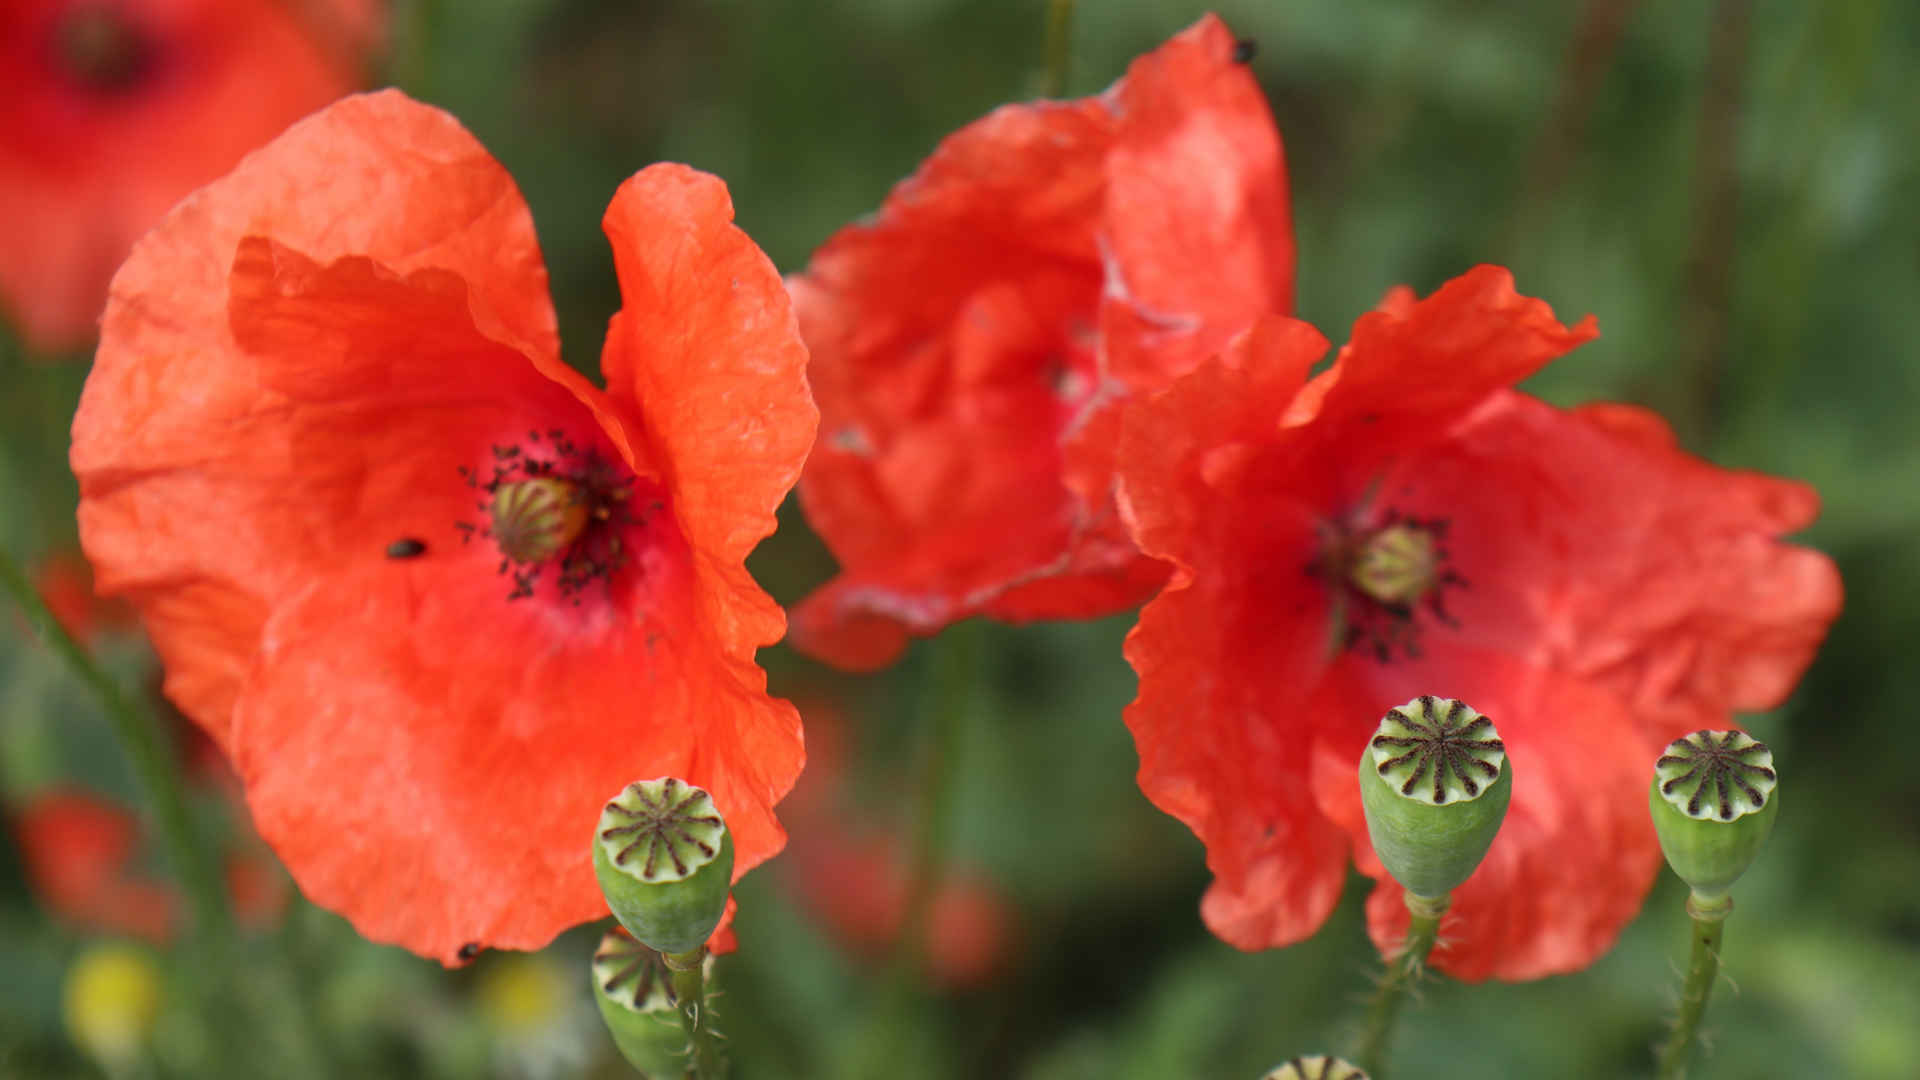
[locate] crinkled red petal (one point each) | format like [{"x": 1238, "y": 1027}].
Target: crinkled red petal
[{"x": 973, "y": 343}]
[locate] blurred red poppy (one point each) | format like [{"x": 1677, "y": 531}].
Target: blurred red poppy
[
  {"x": 116, "y": 109},
  {"x": 82, "y": 857},
  {"x": 1404, "y": 523},
  {"x": 857, "y": 889},
  {"x": 435, "y": 594},
  {"x": 972, "y": 344},
  {"x": 851, "y": 873},
  {"x": 65, "y": 584}
]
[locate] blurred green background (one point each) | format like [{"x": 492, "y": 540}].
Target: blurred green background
[{"x": 1730, "y": 187}]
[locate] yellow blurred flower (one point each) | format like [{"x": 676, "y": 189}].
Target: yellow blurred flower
[{"x": 111, "y": 996}]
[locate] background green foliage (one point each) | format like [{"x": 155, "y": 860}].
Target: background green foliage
[{"x": 1761, "y": 291}]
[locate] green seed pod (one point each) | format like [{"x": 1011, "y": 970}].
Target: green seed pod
[
  {"x": 1713, "y": 803},
  {"x": 1316, "y": 1067},
  {"x": 665, "y": 863},
  {"x": 634, "y": 990},
  {"x": 1435, "y": 782}
]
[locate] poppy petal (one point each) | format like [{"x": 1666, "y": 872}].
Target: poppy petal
[
  {"x": 479, "y": 761},
  {"x": 716, "y": 374},
  {"x": 1216, "y": 751},
  {"x": 974, "y": 343},
  {"x": 1590, "y": 541}
]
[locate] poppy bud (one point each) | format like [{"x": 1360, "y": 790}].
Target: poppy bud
[
  {"x": 1316, "y": 1067},
  {"x": 665, "y": 863},
  {"x": 1434, "y": 782},
  {"x": 109, "y": 1003},
  {"x": 634, "y": 990},
  {"x": 1713, "y": 803}
]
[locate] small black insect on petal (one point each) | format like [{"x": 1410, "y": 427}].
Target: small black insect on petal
[
  {"x": 468, "y": 951},
  {"x": 1244, "y": 50},
  {"x": 406, "y": 548}
]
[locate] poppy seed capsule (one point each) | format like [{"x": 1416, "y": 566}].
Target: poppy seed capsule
[
  {"x": 665, "y": 863},
  {"x": 1317, "y": 1067},
  {"x": 534, "y": 520},
  {"x": 634, "y": 990},
  {"x": 1713, "y": 803},
  {"x": 1435, "y": 782},
  {"x": 1397, "y": 565}
]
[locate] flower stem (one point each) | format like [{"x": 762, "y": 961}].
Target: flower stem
[
  {"x": 1422, "y": 931},
  {"x": 949, "y": 693},
  {"x": 1059, "y": 46},
  {"x": 690, "y": 995},
  {"x": 955, "y": 666},
  {"x": 152, "y": 757},
  {"x": 1702, "y": 967}
]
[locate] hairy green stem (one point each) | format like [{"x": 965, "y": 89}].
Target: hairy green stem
[
  {"x": 1702, "y": 968},
  {"x": 1407, "y": 964},
  {"x": 690, "y": 997},
  {"x": 1059, "y": 46},
  {"x": 152, "y": 757}
]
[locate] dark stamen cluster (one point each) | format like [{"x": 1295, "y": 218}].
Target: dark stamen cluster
[
  {"x": 1442, "y": 745},
  {"x": 604, "y": 488},
  {"x": 1384, "y": 627},
  {"x": 1718, "y": 770},
  {"x": 661, "y": 827},
  {"x": 103, "y": 49}
]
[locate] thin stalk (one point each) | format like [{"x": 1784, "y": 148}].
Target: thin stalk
[
  {"x": 1059, "y": 46},
  {"x": 690, "y": 996},
  {"x": 949, "y": 693},
  {"x": 955, "y": 668},
  {"x": 1707, "y": 324},
  {"x": 151, "y": 755},
  {"x": 1702, "y": 968},
  {"x": 1422, "y": 931}
]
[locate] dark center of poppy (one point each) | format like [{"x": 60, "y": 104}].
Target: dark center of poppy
[
  {"x": 557, "y": 511},
  {"x": 1383, "y": 575},
  {"x": 102, "y": 50}
]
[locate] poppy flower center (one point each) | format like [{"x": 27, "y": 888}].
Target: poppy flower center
[
  {"x": 556, "y": 511},
  {"x": 1383, "y": 575},
  {"x": 101, "y": 49}
]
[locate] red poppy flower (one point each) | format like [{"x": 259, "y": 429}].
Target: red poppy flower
[
  {"x": 116, "y": 109},
  {"x": 82, "y": 855},
  {"x": 1403, "y": 524},
  {"x": 972, "y": 344},
  {"x": 435, "y": 594}
]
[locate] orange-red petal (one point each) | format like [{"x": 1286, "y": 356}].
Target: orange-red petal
[
  {"x": 707, "y": 354},
  {"x": 376, "y": 177}
]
